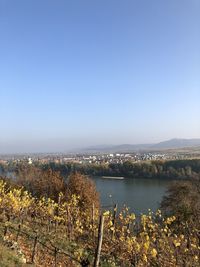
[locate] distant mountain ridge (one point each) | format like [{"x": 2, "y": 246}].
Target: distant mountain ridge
[
  {"x": 178, "y": 143},
  {"x": 169, "y": 144}
]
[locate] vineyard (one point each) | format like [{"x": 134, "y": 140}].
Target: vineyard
[{"x": 50, "y": 233}]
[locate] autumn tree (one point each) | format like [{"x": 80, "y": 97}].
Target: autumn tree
[
  {"x": 85, "y": 188},
  {"x": 39, "y": 182},
  {"x": 183, "y": 200}
]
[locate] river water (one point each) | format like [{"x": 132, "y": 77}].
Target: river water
[{"x": 138, "y": 194}]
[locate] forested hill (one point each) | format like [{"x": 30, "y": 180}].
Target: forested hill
[{"x": 174, "y": 143}]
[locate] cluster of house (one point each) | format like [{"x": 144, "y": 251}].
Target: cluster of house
[{"x": 104, "y": 158}]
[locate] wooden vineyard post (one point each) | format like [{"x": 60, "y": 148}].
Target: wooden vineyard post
[
  {"x": 49, "y": 225},
  {"x": 6, "y": 226},
  {"x": 93, "y": 219},
  {"x": 55, "y": 256},
  {"x": 18, "y": 232},
  {"x": 114, "y": 214},
  {"x": 57, "y": 212},
  {"x": 100, "y": 239},
  {"x": 114, "y": 218},
  {"x": 69, "y": 224},
  {"x": 5, "y": 230},
  {"x": 34, "y": 249}
]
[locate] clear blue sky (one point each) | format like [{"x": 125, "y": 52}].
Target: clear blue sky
[{"x": 78, "y": 73}]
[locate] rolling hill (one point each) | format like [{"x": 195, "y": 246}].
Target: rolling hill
[{"x": 169, "y": 144}]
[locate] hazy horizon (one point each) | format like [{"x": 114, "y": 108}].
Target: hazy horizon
[
  {"x": 44, "y": 146},
  {"x": 76, "y": 74}
]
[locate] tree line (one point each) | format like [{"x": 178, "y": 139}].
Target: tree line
[{"x": 174, "y": 169}]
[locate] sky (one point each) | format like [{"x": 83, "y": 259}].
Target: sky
[{"x": 80, "y": 73}]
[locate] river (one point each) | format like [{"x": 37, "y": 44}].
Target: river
[{"x": 138, "y": 194}]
